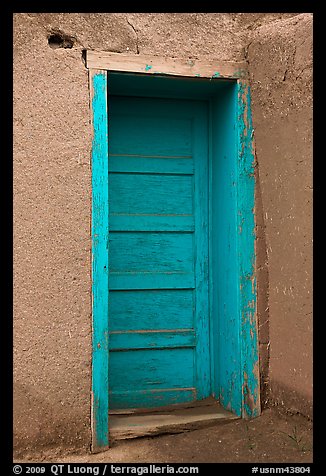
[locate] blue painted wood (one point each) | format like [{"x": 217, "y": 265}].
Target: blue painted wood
[
  {"x": 151, "y": 398},
  {"x": 233, "y": 339},
  {"x": 163, "y": 280},
  {"x": 142, "y": 310},
  {"x": 144, "y": 252},
  {"x": 143, "y": 260},
  {"x": 140, "y": 118},
  {"x": 100, "y": 265},
  {"x": 233, "y": 293},
  {"x": 151, "y": 164},
  {"x": 152, "y": 340},
  {"x": 152, "y": 222},
  {"x": 247, "y": 258},
  {"x": 213, "y": 321},
  {"x": 165, "y": 87},
  {"x": 149, "y": 194},
  {"x": 225, "y": 284},
  {"x": 200, "y": 148},
  {"x": 158, "y": 202},
  {"x": 151, "y": 369}
]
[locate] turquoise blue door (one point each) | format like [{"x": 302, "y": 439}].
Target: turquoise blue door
[{"x": 158, "y": 252}]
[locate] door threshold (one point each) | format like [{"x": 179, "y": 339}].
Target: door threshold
[
  {"x": 172, "y": 420},
  {"x": 166, "y": 408}
]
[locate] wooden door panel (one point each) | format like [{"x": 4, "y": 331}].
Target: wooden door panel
[
  {"x": 143, "y": 310},
  {"x": 158, "y": 252}
]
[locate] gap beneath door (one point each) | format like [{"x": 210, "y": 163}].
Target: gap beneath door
[{"x": 126, "y": 424}]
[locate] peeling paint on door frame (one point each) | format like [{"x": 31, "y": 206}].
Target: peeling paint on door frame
[
  {"x": 100, "y": 284},
  {"x": 248, "y": 375},
  {"x": 247, "y": 255}
]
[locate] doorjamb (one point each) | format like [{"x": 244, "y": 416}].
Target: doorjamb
[{"x": 247, "y": 400}]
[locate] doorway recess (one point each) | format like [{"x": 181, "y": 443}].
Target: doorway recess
[{"x": 231, "y": 304}]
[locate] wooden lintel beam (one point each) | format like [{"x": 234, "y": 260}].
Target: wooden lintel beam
[{"x": 163, "y": 65}]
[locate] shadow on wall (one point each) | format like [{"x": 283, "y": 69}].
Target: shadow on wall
[{"x": 36, "y": 423}]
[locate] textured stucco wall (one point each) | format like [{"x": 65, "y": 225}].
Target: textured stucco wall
[
  {"x": 52, "y": 307},
  {"x": 52, "y": 198},
  {"x": 279, "y": 56}
]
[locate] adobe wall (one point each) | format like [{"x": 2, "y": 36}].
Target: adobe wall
[
  {"x": 52, "y": 200},
  {"x": 279, "y": 56}
]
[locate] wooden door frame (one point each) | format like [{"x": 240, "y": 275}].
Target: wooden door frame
[{"x": 239, "y": 390}]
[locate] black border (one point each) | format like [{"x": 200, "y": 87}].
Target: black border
[{"x": 7, "y": 201}]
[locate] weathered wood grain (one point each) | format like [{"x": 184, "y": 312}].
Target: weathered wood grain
[
  {"x": 163, "y": 280},
  {"x": 151, "y": 369},
  {"x": 139, "y": 252},
  {"x": 150, "y": 194},
  {"x": 151, "y": 310},
  {"x": 201, "y": 258},
  {"x": 250, "y": 382},
  {"x": 158, "y": 234},
  {"x": 145, "y": 399},
  {"x": 151, "y": 164},
  {"x": 152, "y": 340},
  {"x": 143, "y": 127},
  {"x": 232, "y": 253},
  {"x": 176, "y": 222},
  {"x": 171, "y": 421},
  {"x": 164, "y": 65},
  {"x": 100, "y": 265}
]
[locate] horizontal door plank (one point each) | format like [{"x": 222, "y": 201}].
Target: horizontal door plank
[
  {"x": 169, "y": 280},
  {"x": 154, "y": 223},
  {"x": 150, "y": 252},
  {"x": 150, "y": 398},
  {"x": 151, "y": 369},
  {"x": 151, "y": 310},
  {"x": 151, "y": 340},
  {"x": 150, "y": 135},
  {"x": 150, "y": 194},
  {"x": 151, "y": 164}
]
